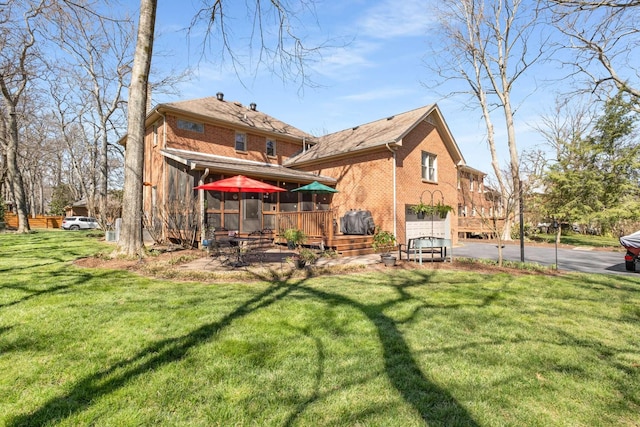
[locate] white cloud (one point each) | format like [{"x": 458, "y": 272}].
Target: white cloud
[
  {"x": 393, "y": 18},
  {"x": 372, "y": 95}
]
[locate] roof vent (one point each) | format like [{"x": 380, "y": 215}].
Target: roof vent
[
  {"x": 253, "y": 106},
  {"x": 390, "y": 117},
  {"x": 220, "y": 96},
  {"x": 354, "y": 128}
]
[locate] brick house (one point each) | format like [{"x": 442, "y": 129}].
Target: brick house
[
  {"x": 383, "y": 167},
  {"x": 478, "y": 205}
]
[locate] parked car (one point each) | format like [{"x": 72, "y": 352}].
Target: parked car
[{"x": 79, "y": 223}]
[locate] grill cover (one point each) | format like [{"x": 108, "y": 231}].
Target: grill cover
[{"x": 357, "y": 222}]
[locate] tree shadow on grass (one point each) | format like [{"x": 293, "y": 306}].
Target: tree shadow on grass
[
  {"x": 92, "y": 387},
  {"x": 435, "y": 404}
]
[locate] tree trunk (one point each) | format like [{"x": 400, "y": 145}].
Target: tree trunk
[
  {"x": 130, "y": 242},
  {"x": 13, "y": 172}
]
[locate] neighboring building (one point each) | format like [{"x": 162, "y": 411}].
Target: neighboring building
[
  {"x": 479, "y": 207},
  {"x": 384, "y": 167},
  {"x": 78, "y": 208}
]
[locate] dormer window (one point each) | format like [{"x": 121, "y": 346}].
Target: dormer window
[{"x": 241, "y": 141}]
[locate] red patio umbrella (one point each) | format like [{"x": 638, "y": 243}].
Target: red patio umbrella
[{"x": 239, "y": 184}]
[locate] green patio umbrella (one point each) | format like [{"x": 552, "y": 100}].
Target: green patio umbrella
[{"x": 316, "y": 187}]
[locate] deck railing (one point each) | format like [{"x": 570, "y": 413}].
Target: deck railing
[
  {"x": 314, "y": 224},
  {"x": 478, "y": 225}
]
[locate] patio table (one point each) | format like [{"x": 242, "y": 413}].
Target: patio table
[{"x": 238, "y": 243}]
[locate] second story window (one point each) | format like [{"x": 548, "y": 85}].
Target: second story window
[
  {"x": 155, "y": 134},
  {"x": 192, "y": 126},
  {"x": 241, "y": 141},
  {"x": 271, "y": 147},
  {"x": 429, "y": 167}
]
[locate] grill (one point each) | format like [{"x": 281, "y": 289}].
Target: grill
[{"x": 358, "y": 222}]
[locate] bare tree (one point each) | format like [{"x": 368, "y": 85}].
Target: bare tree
[
  {"x": 605, "y": 42},
  {"x": 18, "y": 60},
  {"x": 98, "y": 54},
  {"x": 130, "y": 241},
  {"x": 489, "y": 46}
]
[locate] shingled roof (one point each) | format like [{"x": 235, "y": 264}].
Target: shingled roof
[
  {"x": 373, "y": 135},
  {"x": 230, "y": 113},
  {"x": 230, "y": 165}
]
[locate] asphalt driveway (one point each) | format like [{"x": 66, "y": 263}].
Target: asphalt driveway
[{"x": 586, "y": 260}]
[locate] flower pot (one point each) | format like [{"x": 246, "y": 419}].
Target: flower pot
[
  {"x": 389, "y": 261},
  {"x": 300, "y": 263},
  {"x": 421, "y": 215},
  {"x": 385, "y": 255}
]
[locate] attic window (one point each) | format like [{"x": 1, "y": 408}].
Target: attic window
[
  {"x": 190, "y": 126},
  {"x": 429, "y": 167}
]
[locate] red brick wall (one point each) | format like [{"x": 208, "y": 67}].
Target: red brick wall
[
  {"x": 425, "y": 137},
  {"x": 366, "y": 181},
  {"x": 216, "y": 139},
  {"x": 220, "y": 140}
]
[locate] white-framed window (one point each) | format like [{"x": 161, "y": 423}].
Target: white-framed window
[
  {"x": 155, "y": 134},
  {"x": 191, "y": 126},
  {"x": 471, "y": 183},
  {"x": 271, "y": 147},
  {"x": 241, "y": 141},
  {"x": 429, "y": 167}
]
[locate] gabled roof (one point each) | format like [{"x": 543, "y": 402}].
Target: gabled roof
[
  {"x": 229, "y": 113},
  {"x": 375, "y": 135},
  {"x": 469, "y": 169},
  {"x": 231, "y": 165}
]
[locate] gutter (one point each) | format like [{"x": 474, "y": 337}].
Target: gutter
[
  {"x": 164, "y": 145},
  {"x": 395, "y": 195},
  {"x": 201, "y": 202}
]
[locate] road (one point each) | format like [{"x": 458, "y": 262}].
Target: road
[{"x": 584, "y": 260}]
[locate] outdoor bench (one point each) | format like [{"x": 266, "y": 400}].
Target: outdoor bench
[{"x": 415, "y": 248}]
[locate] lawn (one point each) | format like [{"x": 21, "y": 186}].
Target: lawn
[
  {"x": 576, "y": 239},
  {"x": 404, "y": 348}
]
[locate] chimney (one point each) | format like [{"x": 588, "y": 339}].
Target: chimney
[
  {"x": 253, "y": 106},
  {"x": 220, "y": 96}
]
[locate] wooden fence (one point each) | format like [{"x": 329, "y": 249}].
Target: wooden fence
[
  {"x": 478, "y": 226},
  {"x": 38, "y": 221}
]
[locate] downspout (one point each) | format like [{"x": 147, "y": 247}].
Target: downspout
[
  {"x": 202, "y": 212},
  {"x": 395, "y": 196},
  {"x": 163, "y": 192}
]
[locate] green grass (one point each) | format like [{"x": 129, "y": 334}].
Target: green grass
[
  {"x": 406, "y": 348},
  {"x": 576, "y": 239}
]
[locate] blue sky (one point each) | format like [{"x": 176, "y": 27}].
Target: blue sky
[{"x": 379, "y": 71}]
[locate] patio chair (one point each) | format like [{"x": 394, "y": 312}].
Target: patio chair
[
  {"x": 256, "y": 247},
  {"x": 222, "y": 247}
]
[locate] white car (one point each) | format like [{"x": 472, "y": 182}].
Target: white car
[{"x": 79, "y": 223}]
